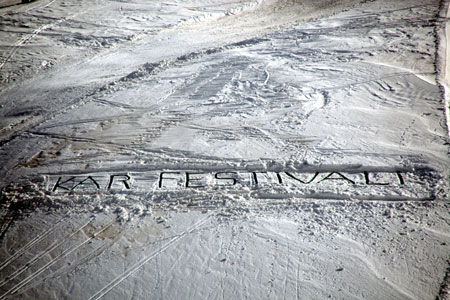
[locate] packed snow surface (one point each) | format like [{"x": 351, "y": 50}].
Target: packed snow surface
[{"x": 213, "y": 149}]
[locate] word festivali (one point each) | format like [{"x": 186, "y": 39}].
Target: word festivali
[{"x": 198, "y": 180}]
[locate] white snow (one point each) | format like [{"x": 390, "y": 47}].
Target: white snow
[{"x": 200, "y": 149}]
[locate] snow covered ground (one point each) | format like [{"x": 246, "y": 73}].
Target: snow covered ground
[{"x": 213, "y": 149}]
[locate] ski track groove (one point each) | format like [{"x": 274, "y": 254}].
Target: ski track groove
[
  {"x": 326, "y": 196},
  {"x": 36, "y": 32},
  {"x": 65, "y": 253},
  {"x": 266, "y": 71},
  {"x": 90, "y": 120},
  {"x": 106, "y": 289},
  {"x": 29, "y": 245},
  {"x": 142, "y": 72},
  {"x": 359, "y": 254},
  {"x": 158, "y": 286},
  {"x": 36, "y": 258},
  {"x": 41, "y": 6},
  {"x": 76, "y": 139}
]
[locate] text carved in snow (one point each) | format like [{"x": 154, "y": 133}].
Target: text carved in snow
[{"x": 198, "y": 180}]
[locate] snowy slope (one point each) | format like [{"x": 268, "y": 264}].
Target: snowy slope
[{"x": 217, "y": 149}]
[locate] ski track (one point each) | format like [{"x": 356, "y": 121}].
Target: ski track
[
  {"x": 105, "y": 290},
  {"x": 361, "y": 256},
  {"x": 39, "y": 256},
  {"x": 29, "y": 37},
  {"x": 54, "y": 260},
  {"x": 29, "y": 245}
]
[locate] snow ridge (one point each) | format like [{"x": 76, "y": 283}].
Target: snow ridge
[{"x": 443, "y": 57}]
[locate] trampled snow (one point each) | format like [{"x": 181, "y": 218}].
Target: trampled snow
[{"x": 224, "y": 149}]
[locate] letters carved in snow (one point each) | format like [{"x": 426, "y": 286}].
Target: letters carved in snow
[{"x": 198, "y": 180}]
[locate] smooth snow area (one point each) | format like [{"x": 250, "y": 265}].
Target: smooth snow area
[{"x": 213, "y": 149}]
